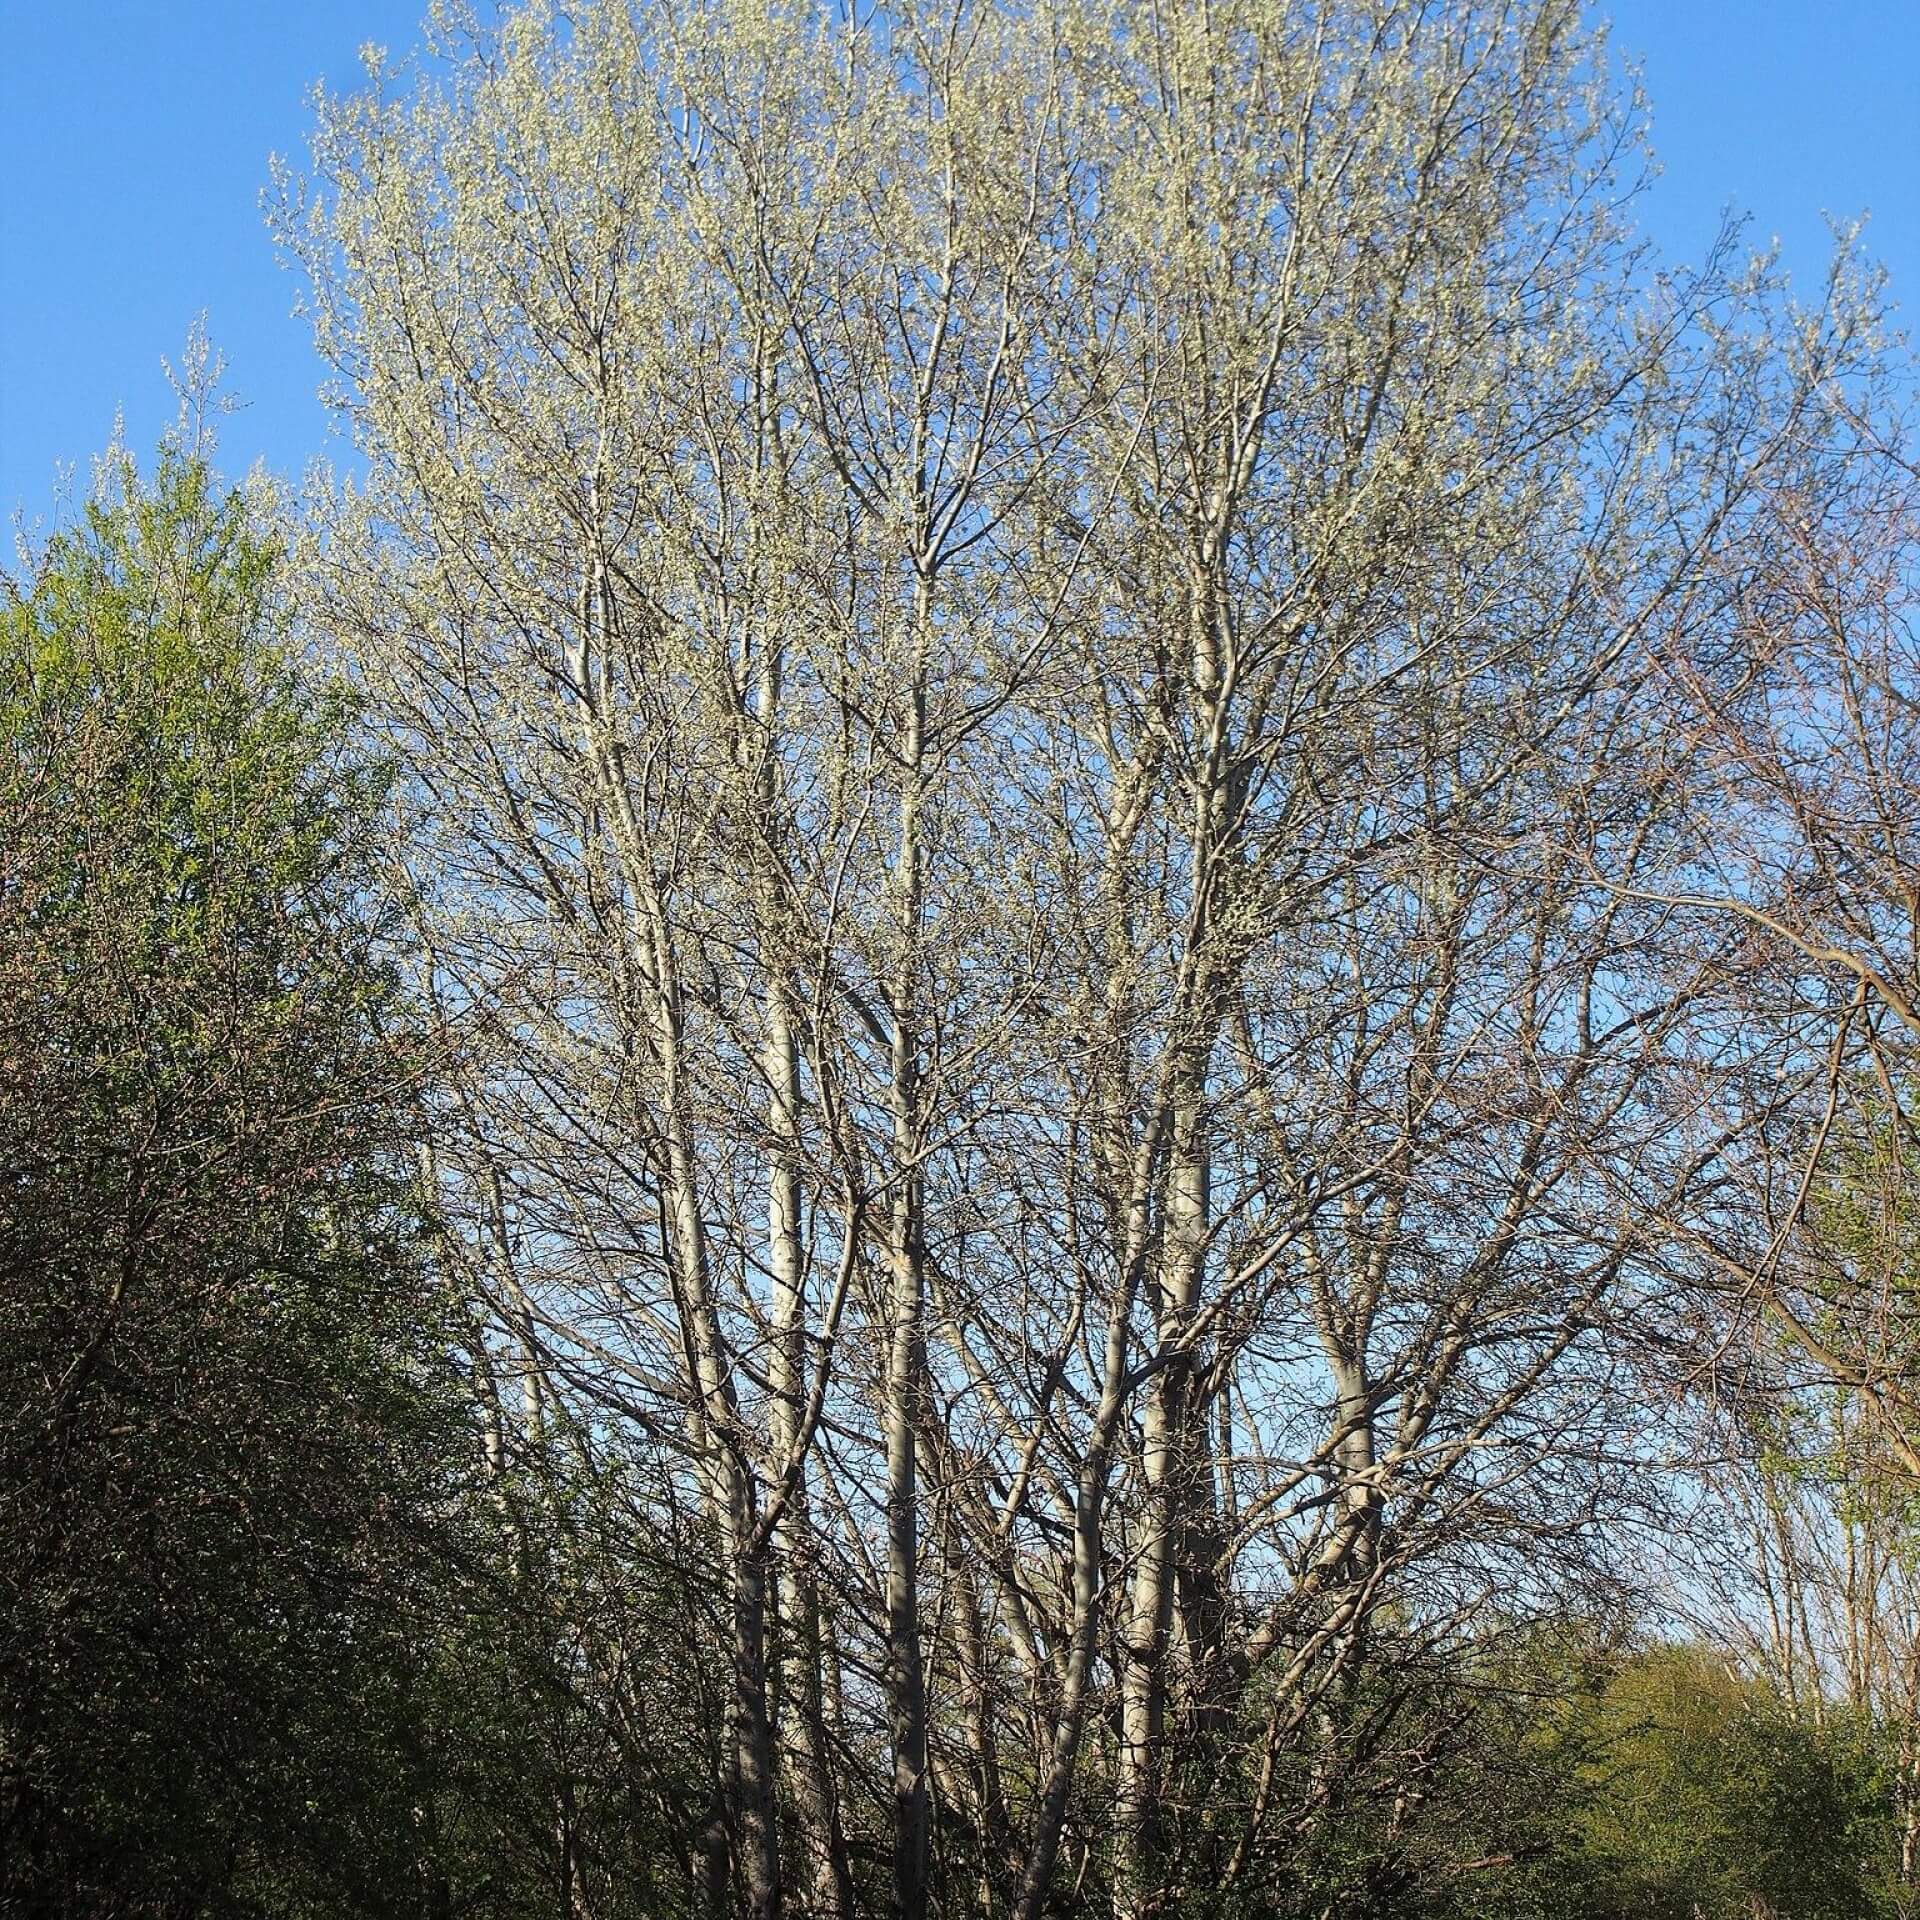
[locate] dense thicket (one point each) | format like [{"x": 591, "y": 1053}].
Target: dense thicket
[
  {"x": 1128, "y": 1127},
  {"x": 256, "y": 1645},
  {"x": 226, "y": 1414}
]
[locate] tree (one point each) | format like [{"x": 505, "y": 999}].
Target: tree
[
  {"x": 231, "y": 1445},
  {"x": 1029, "y": 652}
]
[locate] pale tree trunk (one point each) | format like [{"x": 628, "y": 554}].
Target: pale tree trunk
[
  {"x": 716, "y": 1429},
  {"x": 984, "y": 1723},
  {"x": 1174, "y": 1448},
  {"x": 718, "y": 1432},
  {"x": 803, "y": 1731},
  {"x": 906, "y": 1680},
  {"x": 1906, "y": 1791},
  {"x": 1160, "y": 1526},
  {"x": 1062, "y": 1751}
]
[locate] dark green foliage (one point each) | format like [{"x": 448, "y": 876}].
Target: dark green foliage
[{"x": 230, "y": 1452}]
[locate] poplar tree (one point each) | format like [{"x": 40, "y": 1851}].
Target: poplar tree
[{"x": 1030, "y": 651}]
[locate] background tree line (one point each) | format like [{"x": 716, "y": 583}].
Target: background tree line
[{"x": 1032, "y": 1035}]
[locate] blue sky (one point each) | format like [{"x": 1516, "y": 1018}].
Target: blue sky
[{"x": 134, "y": 137}]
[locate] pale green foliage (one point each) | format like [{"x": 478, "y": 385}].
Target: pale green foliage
[{"x": 1701, "y": 1793}]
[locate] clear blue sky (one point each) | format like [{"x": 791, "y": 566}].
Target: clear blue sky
[{"x": 134, "y": 137}]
